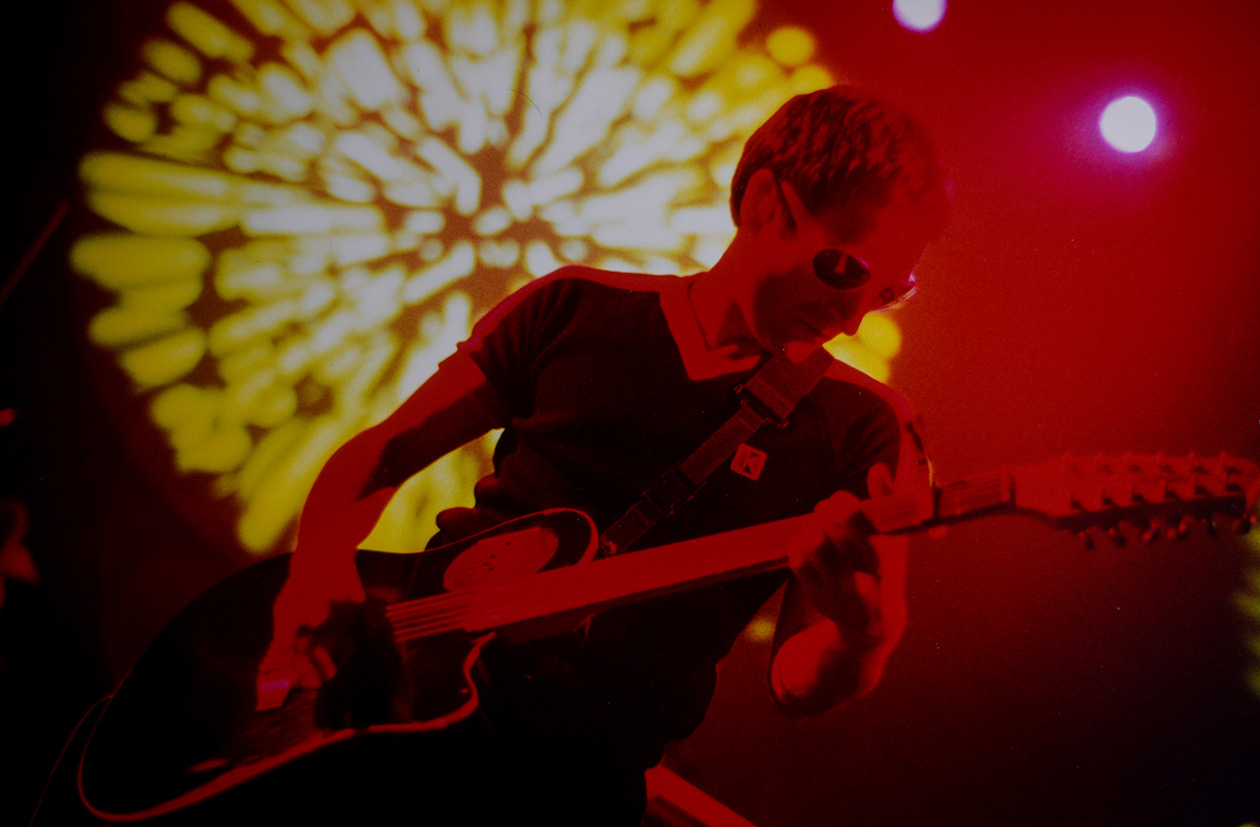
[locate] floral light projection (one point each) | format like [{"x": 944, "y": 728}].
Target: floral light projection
[
  {"x": 309, "y": 201},
  {"x": 1249, "y": 603}
]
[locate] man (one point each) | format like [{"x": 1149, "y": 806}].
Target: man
[{"x": 603, "y": 381}]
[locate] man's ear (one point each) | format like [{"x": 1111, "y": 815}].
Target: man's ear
[{"x": 762, "y": 205}]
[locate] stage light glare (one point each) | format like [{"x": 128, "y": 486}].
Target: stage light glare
[
  {"x": 919, "y": 15},
  {"x": 760, "y": 629},
  {"x": 791, "y": 45},
  {"x": 1128, "y": 124}
]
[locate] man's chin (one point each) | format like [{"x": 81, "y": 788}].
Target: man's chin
[{"x": 800, "y": 351}]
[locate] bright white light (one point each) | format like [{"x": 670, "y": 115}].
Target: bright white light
[
  {"x": 919, "y": 15},
  {"x": 1128, "y": 124}
]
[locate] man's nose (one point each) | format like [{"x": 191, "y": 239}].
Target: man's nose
[{"x": 852, "y": 323}]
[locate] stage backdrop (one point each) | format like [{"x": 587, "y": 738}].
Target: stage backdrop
[{"x": 246, "y": 229}]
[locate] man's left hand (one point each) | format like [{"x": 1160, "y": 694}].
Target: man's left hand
[{"x": 840, "y": 573}]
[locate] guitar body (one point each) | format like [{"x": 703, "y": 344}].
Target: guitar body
[
  {"x": 182, "y": 727},
  {"x": 189, "y": 725}
]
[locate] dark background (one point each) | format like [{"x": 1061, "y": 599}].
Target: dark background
[{"x": 1082, "y": 301}]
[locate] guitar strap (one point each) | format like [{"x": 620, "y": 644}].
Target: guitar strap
[{"x": 766, "y": 398}]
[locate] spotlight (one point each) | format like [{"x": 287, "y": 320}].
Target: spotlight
[
  {"x": 919, "y": 15},
  {"x": 1128, "y": 124}
]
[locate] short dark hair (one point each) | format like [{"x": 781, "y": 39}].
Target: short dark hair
[{"x": 850, "y": 154}]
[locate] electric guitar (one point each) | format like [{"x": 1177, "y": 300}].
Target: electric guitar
[{"x": 193, "y": 719}]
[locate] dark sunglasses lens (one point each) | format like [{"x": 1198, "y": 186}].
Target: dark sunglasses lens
[{"x": 840, "y": 270}]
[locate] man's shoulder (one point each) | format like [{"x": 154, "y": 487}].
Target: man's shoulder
[
  {"x": 581, "y": 277},
  {"x": 883, "y": 410},
  {"x": 576, "y": 296}
]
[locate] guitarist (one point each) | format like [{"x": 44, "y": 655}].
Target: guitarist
[{"x": 601, "y": 381}]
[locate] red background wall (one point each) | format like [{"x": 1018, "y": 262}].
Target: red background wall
[{"x": 1082, "y": 301}]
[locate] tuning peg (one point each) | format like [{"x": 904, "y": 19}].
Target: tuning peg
[
  {"x": 1183, "y": 528},
  {"x": 1117, "y": 536},
  {"x": 1242, "y": 525},
  {"x": 1087, "y": 539},
  {"x": 1150, "y": 532}
]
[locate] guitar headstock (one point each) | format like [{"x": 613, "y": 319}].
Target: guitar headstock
[{"x": 1159, "y": 494}]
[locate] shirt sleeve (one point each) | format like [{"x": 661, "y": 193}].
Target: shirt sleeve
[
  {"x": 510, "y": 342},
  {"x": 887, "y": 432}
]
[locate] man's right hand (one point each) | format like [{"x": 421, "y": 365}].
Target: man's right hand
[
  {"x": 452, "y": 407},
  {"x": 297, "y": 656}
]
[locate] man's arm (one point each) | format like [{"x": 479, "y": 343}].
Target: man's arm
[
  {"x": 838, "y": 625},
  {"x": 453, "y": 407}
]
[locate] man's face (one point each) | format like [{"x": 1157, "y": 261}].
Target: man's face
[{"x": 818, "y": 287}]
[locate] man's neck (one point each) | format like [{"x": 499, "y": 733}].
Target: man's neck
[{"x": 720, "y": 316}]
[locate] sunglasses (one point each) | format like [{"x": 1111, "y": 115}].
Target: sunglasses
[{"x": 841, "y": 271}]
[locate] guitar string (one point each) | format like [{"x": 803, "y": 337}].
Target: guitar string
[
  {"x": 436, "y": 609},
  {"x": 437, "y": 614},
  {"x": 423, "y": 627},
  {"x": 434, "y": 612}
]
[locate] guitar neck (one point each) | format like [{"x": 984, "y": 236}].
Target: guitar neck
[
  {"x": 900, "y": 514},
  {"x": 556, "y": 601}
]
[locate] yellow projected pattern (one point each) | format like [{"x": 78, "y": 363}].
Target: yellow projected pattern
[
  {"x": 311, "y": 200},
  {"x": 1249, "y": 602}
]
